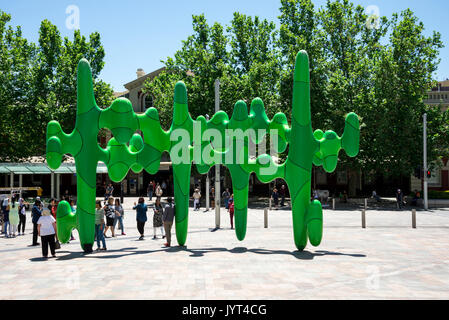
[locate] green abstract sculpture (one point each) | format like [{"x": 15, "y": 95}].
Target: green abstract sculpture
[{"x": 189, "y": 140}]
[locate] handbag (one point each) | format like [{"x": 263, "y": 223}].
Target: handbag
[{"x": 57, "y": 244}]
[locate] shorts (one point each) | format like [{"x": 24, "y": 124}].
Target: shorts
[{"x": 109, "y": 222}]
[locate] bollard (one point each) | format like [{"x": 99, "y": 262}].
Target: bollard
[
  {"x": 265, "y": 218},
  {"x": 366, "y": 203},
  {"x": 363, "y": 219},
  {"x": 333, "y": 203},
  {"x": 270, "y": 203},
  {"x": 414, "y": 218}
]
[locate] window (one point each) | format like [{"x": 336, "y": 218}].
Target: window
[{"x": 148, "y": 102}]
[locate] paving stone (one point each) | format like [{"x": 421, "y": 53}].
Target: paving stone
[{"x": 387, "y": 260}]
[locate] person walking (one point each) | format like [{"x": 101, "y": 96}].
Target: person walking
[
  {"x": 99, "y": 226},
  {"x": 196, "y": 199},
  {"x": 150, "y": 190},
  {"x": 22, "y": 217},
  {"x": 141, "y": 216},
  {"x": 226, "y": 195},
  {"x": 164, "y": 187},
  {"x": 157, "y": 219},
  {"x": 119, "y": 215},
  {"x": 167, "y": 218},
  {"x": 6, "y": 225},
  {"x": 275, "y": 196},
  {"x": 109, "y": 192},
  {"x": 46, "y": 230},
  {"x": 231, "y": 210},
  {"x": 5, "y": 203},
  {"x": 399, "y": 199},
  {"x": 36, "y": 213},
  {"x": 109, "y": 211},
  {"x": 52, "y": 207},
  {"x": 212, "y": 197},
  {"x": 159, "y": 191},
  {"x": 13, "y": 218},
  {"x": 282, "y": 193}
]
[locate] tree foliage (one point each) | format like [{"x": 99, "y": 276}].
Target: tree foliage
[
  {"x": 381, "y": 72},
  {"x": 38, "y": 84}
]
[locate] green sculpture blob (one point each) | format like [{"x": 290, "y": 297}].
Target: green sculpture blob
[{"x": 128, "y": 150}]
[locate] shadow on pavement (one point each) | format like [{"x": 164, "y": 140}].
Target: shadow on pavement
[{"x": 301, "y": 255}]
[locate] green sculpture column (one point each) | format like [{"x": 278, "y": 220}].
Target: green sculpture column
[
  {"x": 82, "y": 144},
  {"x": 128, "y": 150},
  {"x": 181, "y": 157}
]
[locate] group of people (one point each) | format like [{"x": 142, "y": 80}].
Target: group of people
[
  {"x": 163, "y": 218},
  {"x": 107, "y": 217},
  {"x": 157, "y": 189},
  {"x": 276, "y": 194},
  {"x": 44, "y": 224},
  {"x": 12, "y": 217},
  {"x": 228, "y": 200},
  {"x": 226, "y": 195}
]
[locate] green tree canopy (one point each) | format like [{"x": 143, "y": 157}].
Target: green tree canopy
[
  {"x": 38, "y": 84},
  {"x": 379, "y": 71}
]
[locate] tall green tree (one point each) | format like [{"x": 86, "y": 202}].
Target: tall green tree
[{"x": 38, "y": 84}]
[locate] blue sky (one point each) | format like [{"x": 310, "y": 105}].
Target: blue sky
[{"x": 139, "y": 33}]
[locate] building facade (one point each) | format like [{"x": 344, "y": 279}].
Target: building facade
[{"x": 438, "y": 96}]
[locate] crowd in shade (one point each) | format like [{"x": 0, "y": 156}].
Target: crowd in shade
[{"x": 109, "y": 215}]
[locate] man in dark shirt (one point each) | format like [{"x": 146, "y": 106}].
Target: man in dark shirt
[
  {"x": 36, "y": 213},
  {"x": 150, "y": 190},
  {"x": 282, "y": 192},
  {"x": 168, "y": 217}
]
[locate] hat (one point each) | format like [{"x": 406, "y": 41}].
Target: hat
[
  {"x": 46, "y": 212},
  {"x": 38, "y": 198}
]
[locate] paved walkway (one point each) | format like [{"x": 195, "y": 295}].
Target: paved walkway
[{"x": 388, "y": 260}]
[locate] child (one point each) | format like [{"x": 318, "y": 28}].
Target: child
[
  {"x": 231, "y": 210},
  {"x": 99, "y": 226}
]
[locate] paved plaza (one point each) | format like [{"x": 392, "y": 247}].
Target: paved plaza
[{"x": 387, "y": 260}]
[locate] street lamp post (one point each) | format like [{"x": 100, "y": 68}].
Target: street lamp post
[
  {"x": 207, "y": 182},
  {"x": 426, "y": 201},
  {"x": 217, "y": 167}
]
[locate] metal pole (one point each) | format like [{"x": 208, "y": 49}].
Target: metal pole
[
  {"x": 265, "y": 218},
  {"x": 333, "y": 203},
  {"x": 52, "y": 185},
  {"x": 207, "y": 182},
  {"x": 20, "y": 184},
  {"x": 414, "y": 218},
  {"x": 207, "y": 191},
  {"x": 426, "y": 201},
  {"x": 58, "y": 186},
  {"x": 366, "y": 203},
  {"x": 12, "y": 182},
  {"x": 121, "y": 193},
  {"x": 363, "y": 219},
  {"x": 217, "y": 167}
]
